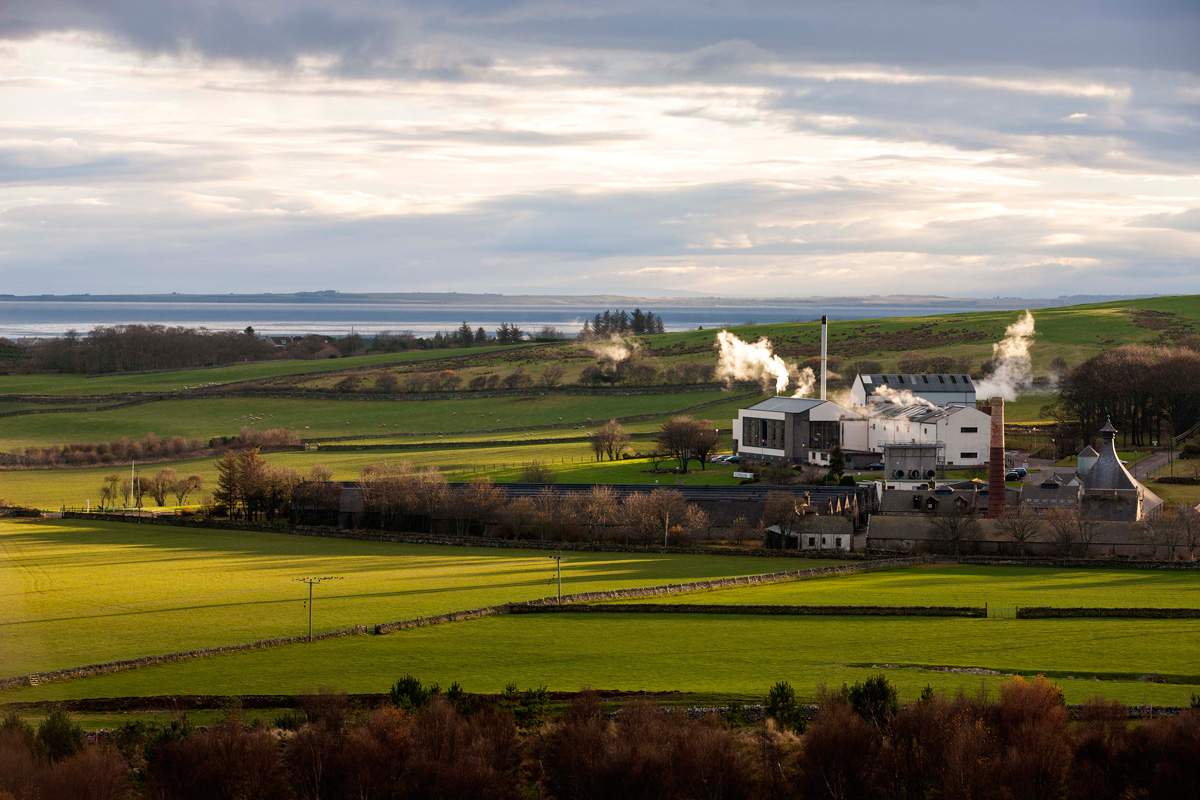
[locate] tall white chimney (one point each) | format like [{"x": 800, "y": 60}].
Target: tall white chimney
[{"x": 824, "y": 351}]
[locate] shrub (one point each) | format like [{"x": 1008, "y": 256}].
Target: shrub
[
  {"x": 58, "y": 736},
  {"x": 875, "y": 700},
  {"x": 409, "y": 693},
  {"x": 780, "y": 705},
  {"x": 529, "y": 708}
]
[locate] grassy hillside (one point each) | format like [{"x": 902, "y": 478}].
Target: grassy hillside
[
  {"x": 1072, "y": 332},
  {"x": 68, "y": 597}
]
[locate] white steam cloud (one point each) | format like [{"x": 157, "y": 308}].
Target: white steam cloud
[
  {"x": 903, "y": 397},
  {"x": 615, "y": 350},
  {"x": 742, "y": 361},
  {"x": 1013, "y": 366}
]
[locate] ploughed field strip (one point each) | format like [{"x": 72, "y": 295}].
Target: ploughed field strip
[
  {"x": 999, "y": 588},
  {"x": 722, "y": 656},
  {"x": 74, "y": 593}
]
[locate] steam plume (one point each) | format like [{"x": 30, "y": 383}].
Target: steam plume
[
  {"x": 615, "y": 350},
  {"x": 903, "y": 397},
  {"x": 742, "y": 361},
  {"x": 1013, "y": 366}
]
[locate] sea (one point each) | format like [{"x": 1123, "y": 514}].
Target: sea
[{"x": 50, "y": 317}]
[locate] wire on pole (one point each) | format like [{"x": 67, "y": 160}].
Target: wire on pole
[{"x": 311, "y": 583}]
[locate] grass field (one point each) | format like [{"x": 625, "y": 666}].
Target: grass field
[
  {"x": 998, "y": 587},
  {"x": 711, "y": 655},
  {"x": 74, "y": 593},
  {"x": 179, "y": 380},
  {"x": 324, "y": 418}
]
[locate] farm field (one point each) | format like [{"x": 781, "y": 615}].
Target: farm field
[
  {"x": 573, "y": 462},
  {"x": 717, "y": 656},
  {"x": 179, "y": 380},
  {"x": 958, "y": 585},
  {"x": 81, "y": 592},
  {"x": 205, "y": 418}
]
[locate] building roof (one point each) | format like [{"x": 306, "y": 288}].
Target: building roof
[
  {"x": 1088, "y": 452},
  {"x": 1108, "y": 472},
  {"x": 788, "y": 405},
  {"x": 915, "y": 412},
  {"x": 930, "y": 382}
]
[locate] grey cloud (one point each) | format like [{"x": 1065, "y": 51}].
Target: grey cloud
[{"x": 1183, "y": 221}]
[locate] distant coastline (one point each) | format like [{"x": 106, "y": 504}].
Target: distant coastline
[{"x": 336, "y": 314}]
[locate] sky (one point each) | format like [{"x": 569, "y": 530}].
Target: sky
[{"x": 745, "y": 148}]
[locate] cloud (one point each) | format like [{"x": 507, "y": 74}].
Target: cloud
[{"x": 744, "y": 148}]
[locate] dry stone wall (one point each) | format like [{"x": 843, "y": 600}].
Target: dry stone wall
[
  {"x": 1046, "y": 612},
  {"x": 766, "y": 610}
]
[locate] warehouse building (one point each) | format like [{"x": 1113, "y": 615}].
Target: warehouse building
[{"x": 941, "y": 389}]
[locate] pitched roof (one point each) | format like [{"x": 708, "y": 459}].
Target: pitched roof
[
  {"x": 788, "y": 405},
  {"x": 925, "y": 382}
]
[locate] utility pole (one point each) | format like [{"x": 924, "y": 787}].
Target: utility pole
[
  {"x": 558, "y": 559},
  {"x": 311, "y": 583}
]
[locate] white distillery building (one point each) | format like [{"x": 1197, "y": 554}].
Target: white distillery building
[
  {"x": 963, "y": 431},
  {"x": 941, "y": 390},
  {"x": 805, "y": 431}
]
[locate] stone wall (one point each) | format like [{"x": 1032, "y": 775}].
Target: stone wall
[
  {"x": 1046, "y": 612},
  {"x": 912, "y": 533},
  {"x": 37, "y": 678}
]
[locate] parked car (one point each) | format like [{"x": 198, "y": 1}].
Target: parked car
[
  {"x": 733, "y": 460},
  {"x": 876, "y": 466},
  {"x": 719, "y": 459},
  {"x": 1012, "y": 475},
  {"x": 1020, "y": 471}
]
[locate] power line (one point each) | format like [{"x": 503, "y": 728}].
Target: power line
[{"x": 311, "y": 583}]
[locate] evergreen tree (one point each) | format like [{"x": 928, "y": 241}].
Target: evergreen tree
[
  {"x": 637, "y": 322},
  {"x": 480, "y": 336},
  {"x": 466, "y": 337}
]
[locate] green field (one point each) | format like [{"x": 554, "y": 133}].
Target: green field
[
  {"x": 74, "y": 592},
  {"x": 179, "y": 380},
  {"x": 955, "y": 585},
  {"x": 719, "y": 656},
  {"x": 330, "y": 418}
]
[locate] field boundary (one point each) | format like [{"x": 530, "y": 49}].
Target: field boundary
[
  {"x": 55, "y": 676},
  {"x": 1048, "y": 612},
  {"x": 122, "y": 665},
  {"x": 764, "y": 610}
]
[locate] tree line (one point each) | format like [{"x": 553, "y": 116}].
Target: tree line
[
  {"x": 1151, "y": 393},
  {"x": 135, "y": 348},
  {"x": 397, "y": 495},
  {"x": 150, "y": 447},
  {"x": 621, "y": 323},
  {"x": 422, "y": 742}
]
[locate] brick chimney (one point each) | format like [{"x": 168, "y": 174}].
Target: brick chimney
[{"x": 996, "y": 468}]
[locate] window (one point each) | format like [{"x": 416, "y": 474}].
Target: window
[
  {"x": 952, "y": 379},
  {"x": 926, "y": 378},
  {"x": 812, "y": 541},
  {"x": 824, "y": 435},
  {"x": 838, "y": 541},
  {"x": 900, "y": 378},
  {"x": 968, "y": 430},
  {"x": 941, "y": 379},
  {"x": 968, "y": 455}
]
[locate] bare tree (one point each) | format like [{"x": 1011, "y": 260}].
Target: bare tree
[
  {"x": 319, "y": 473},
  {"x": 1074, "y": 529},
  {"x": 595, "y": 509},
  {"x": 1188, "y": 520},
  {"x": 109, "y": 489},
  {"x": 538, "y": 472},
  {"x": 186, "y": 486},
  {"x": 1021, "y": 526},
  {"x": 520, "y": 515},
  {"x": 957, "y": 526},
  {"x": 547, "y": 510},
  {"x": 782, "y": 509},
  {"x": 705, "y": 442},
  {"x": 551, "y": 376},
  {"x": 677, "y": 437},
  {"x": 740, "y": 529},
  {"x": 160, "y": 485},
  {"x": 660, "y": 511},
  {"x": 609, "y": 441}
]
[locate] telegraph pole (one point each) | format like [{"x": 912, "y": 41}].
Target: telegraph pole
[
  {"x": 558, "y": 559},
  {"x": 311, "y": 583}
]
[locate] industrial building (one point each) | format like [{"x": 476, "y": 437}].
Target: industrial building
[
  {"x": 940, "y": 390},
  {"x": 799, "y": 430}
]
